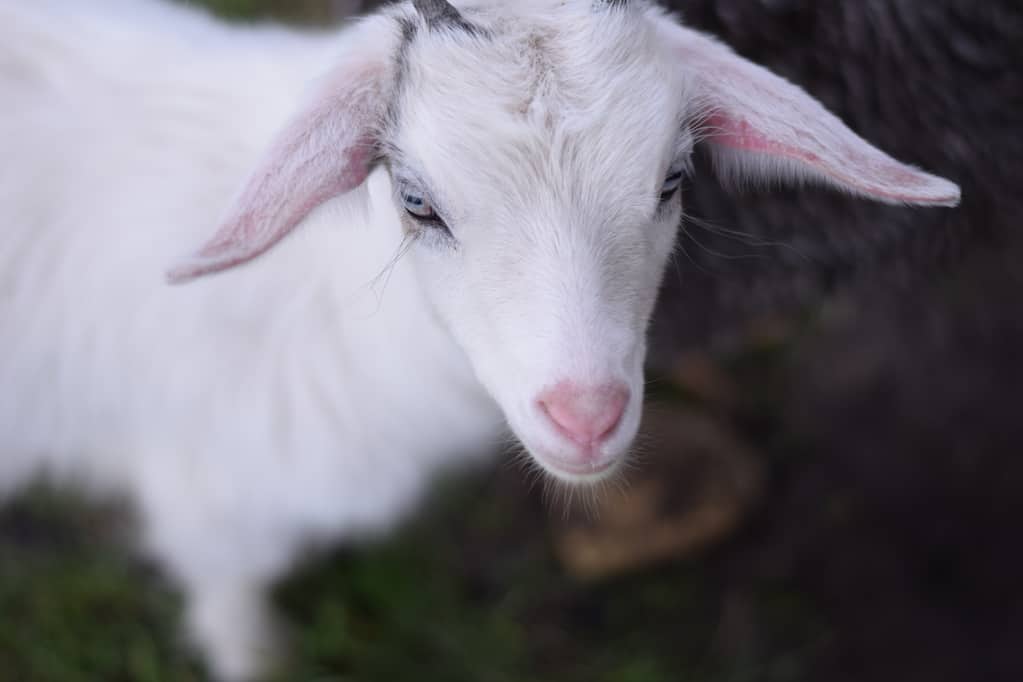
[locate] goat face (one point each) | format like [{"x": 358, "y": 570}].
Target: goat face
[
  {"x": 535, "y": 153},
  {"x": 536, "y": 170}
]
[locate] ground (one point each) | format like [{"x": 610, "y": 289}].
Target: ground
[{"x": 469, "y": 592}]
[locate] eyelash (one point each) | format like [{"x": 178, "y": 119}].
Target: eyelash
[{"x": 673, "y": 182}]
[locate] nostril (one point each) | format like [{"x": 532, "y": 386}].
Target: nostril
[{"x": 585, "y": 415}]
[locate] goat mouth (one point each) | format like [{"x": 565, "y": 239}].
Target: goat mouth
[{"x": 576, "y": 472}]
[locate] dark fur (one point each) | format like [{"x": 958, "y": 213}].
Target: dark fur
[
  {"x": 439, "y": 14},
  {"x": 938, "y": 84},
  {"x": 911, "y": 399}
]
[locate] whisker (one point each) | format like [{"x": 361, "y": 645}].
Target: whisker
[
  {"x": 403, "y": 248},
  {"x": 680, "y": 244},
  {"x": 739, "y": 236}
]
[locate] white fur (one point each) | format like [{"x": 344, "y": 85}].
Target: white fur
[{"x": 312, "y": 394}]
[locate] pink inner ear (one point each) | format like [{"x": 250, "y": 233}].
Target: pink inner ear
[
  {"x": 884, "y": 173},
  {"x": 759, "y": 125},
  {"x": 323, "y": 152}
]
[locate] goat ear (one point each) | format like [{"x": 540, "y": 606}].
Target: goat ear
[
  {"x": 322, "y": 152},
  {"x": 758, "y": 125}
]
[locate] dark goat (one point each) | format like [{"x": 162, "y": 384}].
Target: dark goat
[
  {"x": 909, "y": 399},
  {"x": 937, "y": 83}
]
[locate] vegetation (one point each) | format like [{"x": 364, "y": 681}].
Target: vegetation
[{"x": 467, "y": 593}]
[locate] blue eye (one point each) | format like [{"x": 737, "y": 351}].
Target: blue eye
[
  {"x": 419, "y": 208},
  {"x": 417, "y": 205},
  {"x": 671, "y": 184}
]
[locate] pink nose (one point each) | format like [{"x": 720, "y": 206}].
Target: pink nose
[{"x": 586, "y": 415}]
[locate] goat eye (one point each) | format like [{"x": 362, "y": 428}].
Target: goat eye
[
  {"x": 417, "y": 206},
  {"x": 671, "y": 184}
]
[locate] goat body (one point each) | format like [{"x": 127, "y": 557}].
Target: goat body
[
  {"x": 217, "y": 404},
  {"x": 312, "y": 394}
]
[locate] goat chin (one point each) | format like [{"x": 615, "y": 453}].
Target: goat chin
[{"x": 457, "y": 267}]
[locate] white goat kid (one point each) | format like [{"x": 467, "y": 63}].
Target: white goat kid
[{"x": 513, "y": 167}]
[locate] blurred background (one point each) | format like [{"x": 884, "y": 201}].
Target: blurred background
[{"x": 832, "y": 487}]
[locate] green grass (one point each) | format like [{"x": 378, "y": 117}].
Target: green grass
[
  {"x": 74, "y": 607},
  {"x": 291, "y": 10},
  {"x": 468, "y": 592}
]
